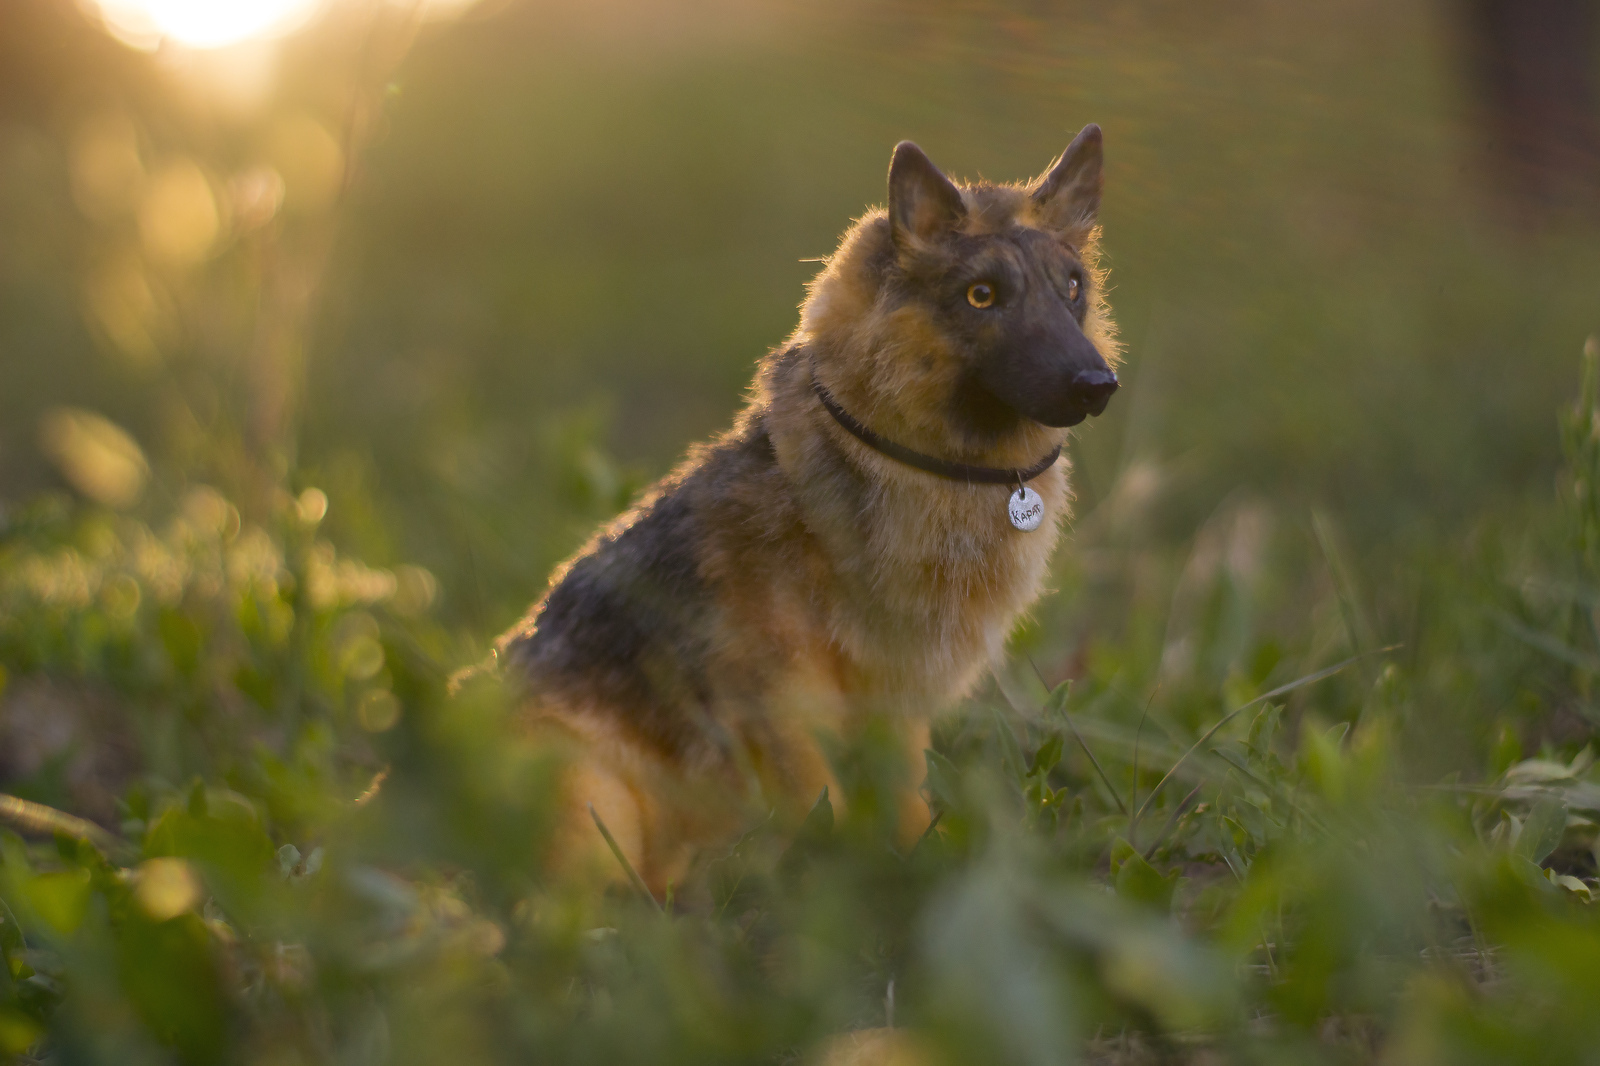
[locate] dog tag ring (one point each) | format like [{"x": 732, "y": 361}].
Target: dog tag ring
[{"x": 1026, "y": 508}]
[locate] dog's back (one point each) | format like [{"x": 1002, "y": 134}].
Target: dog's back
[{"x": 801, "y": 573}]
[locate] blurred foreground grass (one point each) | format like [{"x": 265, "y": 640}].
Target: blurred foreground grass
[
  {"x": 1226, "y": 852},
  {"x": 335, "y": 376}
]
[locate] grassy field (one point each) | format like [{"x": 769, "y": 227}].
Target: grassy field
[{"x": 311, "y": 380}]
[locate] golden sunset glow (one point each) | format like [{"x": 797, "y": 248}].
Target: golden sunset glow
[{"x": 202, "y": 24}]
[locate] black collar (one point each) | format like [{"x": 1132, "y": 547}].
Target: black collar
[{"x": 989, "y": 475}]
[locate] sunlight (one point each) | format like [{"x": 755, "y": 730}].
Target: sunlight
[{"x": 202, "y": 24}]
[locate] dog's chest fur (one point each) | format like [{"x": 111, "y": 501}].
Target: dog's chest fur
[{"x": 929, "y": 574}]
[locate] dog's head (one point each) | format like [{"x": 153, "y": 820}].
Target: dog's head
[{"x": 972, "y": 312}]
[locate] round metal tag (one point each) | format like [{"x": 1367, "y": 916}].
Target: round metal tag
[{"x": 1027, "y": 509}]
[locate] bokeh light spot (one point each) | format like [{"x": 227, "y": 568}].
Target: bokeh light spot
[
  {"x": 254, "y": 197},
  {"x": 166, "y": 888},
  {"x": 310, "y": 161},
  {"x": 96, "y": 456},
  {"x": 107, "y": 174},
  {"x": 121, "y": 301},
  {"x": 311, "y": 506},
  {"x": 178, "y": 219},
  {"x": 378, "y": 710}
]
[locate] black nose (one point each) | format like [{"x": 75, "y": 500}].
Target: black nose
[{"x": 1091, "y": 389}]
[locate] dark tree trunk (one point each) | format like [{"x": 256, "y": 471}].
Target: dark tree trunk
[{"x": 1532, "y": 68}]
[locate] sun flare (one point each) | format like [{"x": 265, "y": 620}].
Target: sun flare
[{"x": 202, "y": 24}]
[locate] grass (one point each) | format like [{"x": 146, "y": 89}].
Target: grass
[{"x": 1301, "y": 890}]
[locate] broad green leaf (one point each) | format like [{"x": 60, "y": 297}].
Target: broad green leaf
[
  {"x": 172, "y": 979},
  {"x": 819, "y": 820},
  {"x": 1538, "y": 771},
  {"x": 1175, "y": 979},
  {"x": 1323, "y": 761},
  {"x": 814, "y": 834},
  {"x": 1529, "y": 873},
  {"x": 1264, "y": 727},
  {"x": 59, "y": 898},
  {"x": 1579, "y": 795},
  {"x": 1121, "y": 851},
  {"x": 18, "y": 1032},
  {"x": 226, "y": 837},
  {"x": 1507, "y": 751},
  {"x": 1541, "y": 832},
  {"x": 1045, "y": 759},
  {"x": 1136, "y": 880},
  {"x": 198, "y": 799},
  {"x": 12, "y": 945},
  {"x": 1571, "y": 884},
  {"x": 942, "y": 779},
  {"x": 1238, "y": 762},
  {"x": 992, "y": 978},
  {"x": 1010, "y": 750},
  {"x": 10, "y": 932}
]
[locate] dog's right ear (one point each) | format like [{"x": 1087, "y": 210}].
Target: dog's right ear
[
  {"x": 922, "y": 201},
  {"x": 1068, "y": 195}
]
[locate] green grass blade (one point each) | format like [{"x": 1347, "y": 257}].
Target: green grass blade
[
  {"x": 633, "y": 875},
  {"x": 1281, "y": 690}
]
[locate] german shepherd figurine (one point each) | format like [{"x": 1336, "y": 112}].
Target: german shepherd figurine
[{"x": 860, "y": 542}]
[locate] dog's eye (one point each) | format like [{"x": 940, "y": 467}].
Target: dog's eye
[
  {"x": 981, "y": 295},
  {"x": 1073, "y": 290}
]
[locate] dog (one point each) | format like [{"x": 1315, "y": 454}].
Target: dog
[{"x": 858, "y": 546}]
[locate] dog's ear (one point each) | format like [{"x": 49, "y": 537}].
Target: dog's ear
[
  {"x": 922, "y": 202},
  {"x": 1068, "y": 195}
]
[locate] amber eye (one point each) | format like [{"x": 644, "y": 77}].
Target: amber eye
[
  {"x": 1073, "y": 289},
  {"x": 981, "y": 295}
]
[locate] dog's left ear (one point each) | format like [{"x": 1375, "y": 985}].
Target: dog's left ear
[
  {"x": 922, "y": 202},
  {"x": 1068, "y": 195}
]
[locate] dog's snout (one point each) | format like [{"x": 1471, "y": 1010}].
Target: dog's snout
[{"x": 1092, "y": 389}]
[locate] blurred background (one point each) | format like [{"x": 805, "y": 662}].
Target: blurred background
[
  {"x": 478, "y": 272},
  {"x": 328, "y": 327}
]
